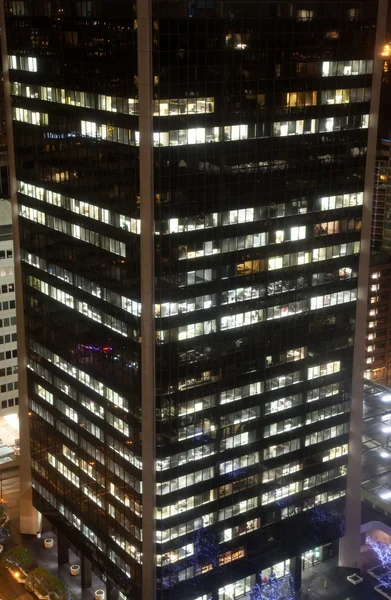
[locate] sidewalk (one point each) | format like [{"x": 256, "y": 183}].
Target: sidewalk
[
  {"x": 47, "y": 557},
  {"x": 338, "y": 588}
]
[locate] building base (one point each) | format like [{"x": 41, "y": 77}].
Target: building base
[{"x": 30, "y": 522}]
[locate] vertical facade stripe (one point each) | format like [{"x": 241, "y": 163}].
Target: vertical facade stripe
[{"x": 144, "y": 46}]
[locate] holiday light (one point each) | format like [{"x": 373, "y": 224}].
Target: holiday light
[
  {"x": 383, "y": 552},
  {"x": 275, "y": 589},
  {"x": 328, "y": 520},
  {"x": 205, "y": 559}
]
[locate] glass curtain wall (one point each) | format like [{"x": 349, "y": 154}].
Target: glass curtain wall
[{"x": 260, "y": 126}]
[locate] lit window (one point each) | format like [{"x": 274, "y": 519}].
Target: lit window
[
  {"x": 305, "y": 15},
  {"x": 324, "y": 369},
  {"x": 275, "y": 263},
  {"x": 237, "y": 589},
  {"x": 349, "y": 67},
  {"x": 298, "y": 233},
  {"x": 23, "y": 63},
  {"x": 301, "y": 99},
  {"x": 29, "y": 116}
]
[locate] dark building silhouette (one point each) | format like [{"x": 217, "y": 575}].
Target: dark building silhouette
[{"x": 190, "y": 183}]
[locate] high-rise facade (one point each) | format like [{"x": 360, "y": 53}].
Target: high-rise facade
[
  {"x": 9, "y": 393},
  {"x": 190, "y": 178},
  {"x": 381, "y": 191},
  {"x": 378, "y": 350}
]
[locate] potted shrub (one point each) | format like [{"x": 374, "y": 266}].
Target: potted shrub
[
  {"x": 74, "y": 570},
  {"x": 47, "y": 586},
  {"x": 38, "y": 582},
  {"x": 17, "y": 561},
  {"x": 58, "y": 590}
]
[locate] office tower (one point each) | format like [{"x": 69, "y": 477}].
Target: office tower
[
  {"x": 9, "y": 394},
  {"x": 382, "y": 196},
  {"x": 190, "y": 179},
  {"x": 380, "y": 193},
  {"x": 378, "y": 345}
]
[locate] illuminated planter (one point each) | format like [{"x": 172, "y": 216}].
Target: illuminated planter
[
  {"x": 100, "y": 595},
  {"x": 378, "y": 572},
  {"x": 355, "y": 579},
  {"x": 384, "y": 591},
  {"x": 39, "y": 596},
  {"x": 75, "y": 570},
  {"x": 49, "y": 543},
  {"x": 18, "y": 574}
]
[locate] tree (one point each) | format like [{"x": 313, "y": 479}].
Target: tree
[
  {"x": 382, "y": 550},
  {"x": 46, "y": 584},
  {"x": 281, "y": 589},
  {"x": 17, "y": 557},
  {"x": 325, "y": 523},
  {"x": 5, "y": 531},
  {"x": 38, "y": 580},
  {"x": 3, "y": 511},
  {"x": 275, "y": 589},
  {"x": 204, "y": 560}
]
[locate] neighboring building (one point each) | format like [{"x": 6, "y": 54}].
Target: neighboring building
[
  {"x": 252, "y": 194},
  {"x": 376, "y": 474},
  {"x": 378, "y": 351},
  {"x": 9, "y": 394},
  {"x": 378, "y": 355},
  {"x": 383, "y": 196},
  {"x": 380, "y": 193}
]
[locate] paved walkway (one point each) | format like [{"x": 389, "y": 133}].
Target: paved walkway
[
  {"x": 47, "y": 557},
  {"x": 338, "y": 588}
]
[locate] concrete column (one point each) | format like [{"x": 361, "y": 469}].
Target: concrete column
[
  {"x": 86, "y": 572},
  {"x": 147, "y": 268},
  {"x": 62, "y": 549},
  {"x": 295, "y": 571},
  {"x": 111, "y": 591},
  {"x": 30, "y": 518},
  {"x": 349, "y": 546}
]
